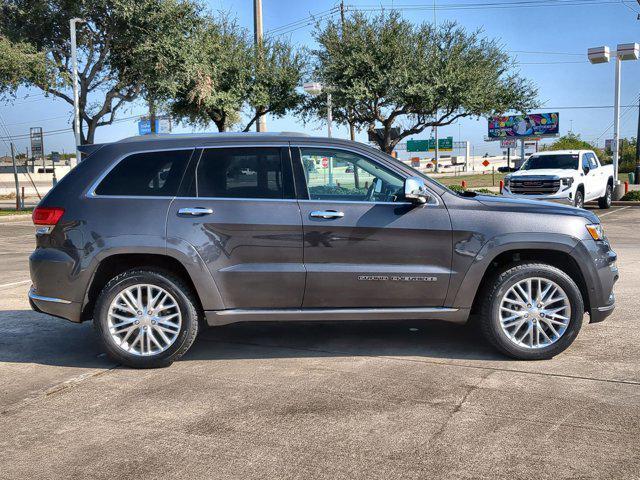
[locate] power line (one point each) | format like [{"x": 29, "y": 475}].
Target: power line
[{"x": 489, "y": 5}]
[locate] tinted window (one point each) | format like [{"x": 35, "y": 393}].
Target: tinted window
[
  {"x": 340, "y": 175},
  {"x": 146, "y": 174},
  {"x": 243, "y": 173},
  {"x": 593, "y": 163},
  {"x": 538, "y": 162},
  {"x": 585, "y": 162}
]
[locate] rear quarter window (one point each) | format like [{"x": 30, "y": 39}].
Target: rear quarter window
[{"x": 147, "y": 174}]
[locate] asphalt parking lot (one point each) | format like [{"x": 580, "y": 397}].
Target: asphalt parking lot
[{"x": 363, "y": 400}]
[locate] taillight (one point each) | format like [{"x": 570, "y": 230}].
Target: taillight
[{"x": 47, "y": 215}]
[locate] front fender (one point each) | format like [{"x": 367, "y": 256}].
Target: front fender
[{"x": 465, "y": 284}]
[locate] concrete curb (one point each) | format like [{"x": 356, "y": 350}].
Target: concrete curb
[{"x": 618, "y": 203}]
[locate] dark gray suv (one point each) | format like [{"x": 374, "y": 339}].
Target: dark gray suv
[{"x": 155, "y": 237}]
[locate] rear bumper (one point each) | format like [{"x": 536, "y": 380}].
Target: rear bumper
[{"x": 58, "y": 307}]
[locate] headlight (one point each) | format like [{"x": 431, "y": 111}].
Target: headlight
[
  {"x": 567, "y": 182},
  {"x": 596, "y": 231}
]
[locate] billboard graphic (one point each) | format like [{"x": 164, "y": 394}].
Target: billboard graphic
[{"x": 532, "y": 125}]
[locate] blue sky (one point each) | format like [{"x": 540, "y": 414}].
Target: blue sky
[{"x": 559, "y": 34}]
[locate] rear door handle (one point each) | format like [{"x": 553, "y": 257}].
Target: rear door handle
[
  {"x": 195, "y": 211},
  {"x": 327, "y": 214}
]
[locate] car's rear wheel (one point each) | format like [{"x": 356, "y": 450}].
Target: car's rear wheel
[
  {"x": 146, "y": 319},
  {"x": 532, "y": 311},
  {"x": 605, "y": 201},
  {"x": 578, "y": 201}
]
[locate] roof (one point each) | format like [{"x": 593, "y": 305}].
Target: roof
[{"x": 278, "y": 136}]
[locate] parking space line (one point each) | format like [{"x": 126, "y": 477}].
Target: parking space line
[
  {"x": 22, "y": 282},
  {"x": 614, "y": 211}
]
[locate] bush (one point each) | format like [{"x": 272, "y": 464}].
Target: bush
[{"x": 632, "y": 196}]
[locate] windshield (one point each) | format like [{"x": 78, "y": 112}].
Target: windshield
[{"x": 538, "y": 162}]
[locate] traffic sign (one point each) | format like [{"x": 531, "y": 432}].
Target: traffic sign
[
  {"x": 325, "y": 162},
  {"x": 445, "y": 144},
  {"x": 486, "y": 163}
]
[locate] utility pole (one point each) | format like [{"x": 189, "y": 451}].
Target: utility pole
[
  {"x": 437, "y": 150},
  {"x": 152, "y": 115},
  {"x": 352, "y": 128},
  {"x": 637, "y": 180},
  {"x": 15, "y": 176},
  {"x": 261, "y": 124},
  {"x": 76, "y": 101}
]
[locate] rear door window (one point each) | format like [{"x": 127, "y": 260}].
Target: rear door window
[
  {"x": 243, "y": 172},
  {"x": 148, "y": 174}
]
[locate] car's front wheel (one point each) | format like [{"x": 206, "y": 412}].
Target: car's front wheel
[
  {"x": 146, "y": 319},
  {"x": 532, "y": 311}
]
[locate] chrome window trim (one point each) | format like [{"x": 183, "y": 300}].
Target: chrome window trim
[
  {"x": 402, "y": 175},
  {"x": 235, "y": 199},
  {"x": 91, "y": 191}
]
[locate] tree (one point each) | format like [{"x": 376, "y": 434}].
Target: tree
[
  {"x": 113, "y": 43},
  {"x": 572, "y": 141},
  {"x": 388, "y": 73},
  {"x": 230, "y": 75}
]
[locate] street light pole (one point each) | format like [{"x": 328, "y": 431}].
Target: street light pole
[
  {"x": 76, "y": 101},
  {"x": 616, "y": 121},
  {"x": 637, "y": 175}
]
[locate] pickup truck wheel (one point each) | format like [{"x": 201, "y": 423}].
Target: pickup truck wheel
[
  {"x": 605, "y": 201},
  {"x": 532, "y": 311},
  {"x": 578, "y": 201},
  {"x": 146, "y": 319}
]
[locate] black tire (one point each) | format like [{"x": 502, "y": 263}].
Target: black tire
[
  {"x": 187, "y": 304},
  {"x": 578, "y": 201},
  {"x": 605, "y": 202},
  {"x": 498, "y": 287}
]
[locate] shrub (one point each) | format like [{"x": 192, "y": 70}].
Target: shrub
[{"x": 632, "y": 196}]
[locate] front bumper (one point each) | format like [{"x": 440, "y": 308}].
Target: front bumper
[
  {"x": 598, "y": 264},
  {"x": 564, "y": 198}
]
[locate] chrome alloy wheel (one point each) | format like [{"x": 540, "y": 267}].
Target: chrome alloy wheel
[
  {"x": 144, "y": 320},
  {"x": 535, "y": 313}
]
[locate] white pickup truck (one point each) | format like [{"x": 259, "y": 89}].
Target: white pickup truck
[{"x": 569, "y": 176}]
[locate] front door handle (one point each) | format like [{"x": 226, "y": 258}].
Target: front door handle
[
  {"x": 195, "y": 211},
  {"x": 327, "y": 214}
]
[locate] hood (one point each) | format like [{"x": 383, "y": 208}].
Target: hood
[
  {"x": 543, "y": 172},
  {"x": 534, "y": 206}
]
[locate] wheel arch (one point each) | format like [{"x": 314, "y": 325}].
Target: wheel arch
[
  {"x": 554, "y": 249},
  {"x": 195, "y": 276},
  {"x": 556, "y": 258}
]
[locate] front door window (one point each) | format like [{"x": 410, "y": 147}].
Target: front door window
[{"x": 341, "y": 175}]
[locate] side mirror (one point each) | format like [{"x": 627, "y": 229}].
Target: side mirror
[
  {"x": 586, "y": 170},
  {"x": 415, "y": 190}
]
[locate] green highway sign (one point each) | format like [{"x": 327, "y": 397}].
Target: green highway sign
[{"x": 427, "y": 145}]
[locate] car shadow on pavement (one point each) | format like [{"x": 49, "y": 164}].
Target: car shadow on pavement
[{"x": 29, "y": 337}]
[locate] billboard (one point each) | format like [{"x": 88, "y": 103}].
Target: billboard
[
  {"x": 518, "y": 126},
  {"x": 444, "y": 144}
]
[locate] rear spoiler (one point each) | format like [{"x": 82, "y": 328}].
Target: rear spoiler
[{"x": 86, "y": 150}]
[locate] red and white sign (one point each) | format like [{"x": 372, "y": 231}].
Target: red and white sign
[{"x": 325, "y": 163}]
